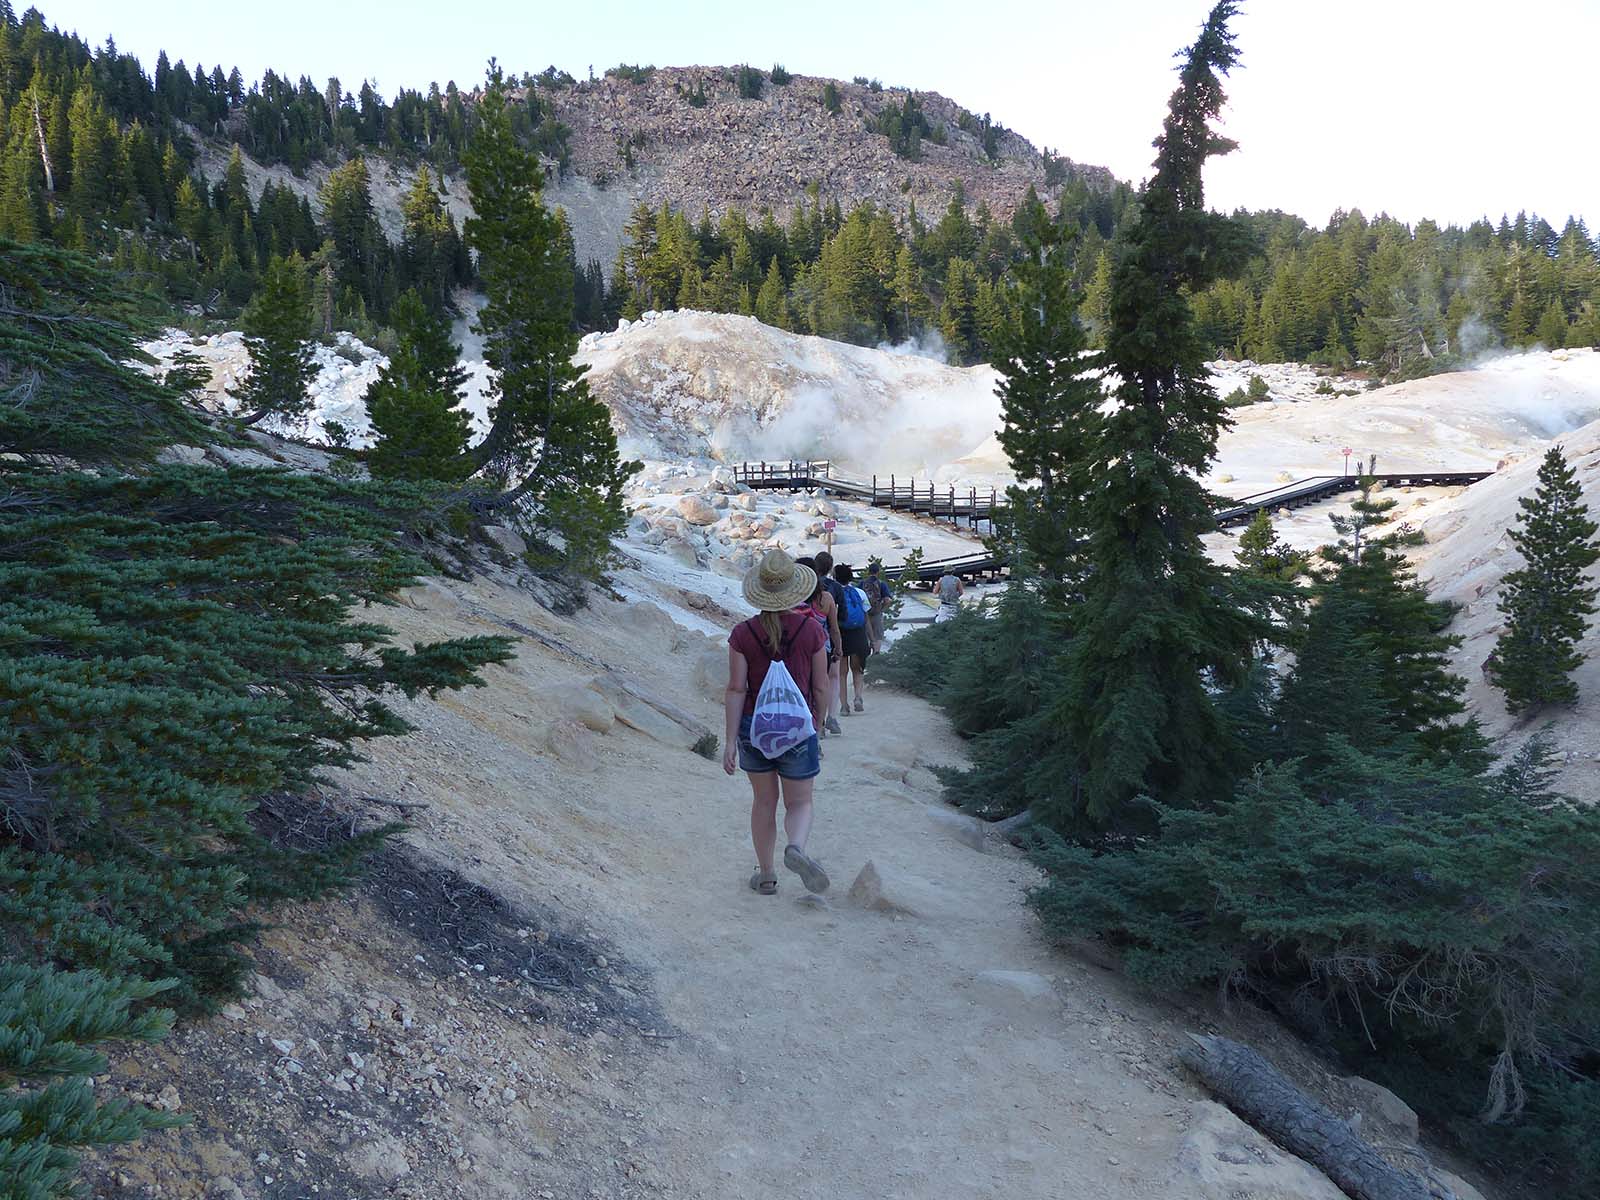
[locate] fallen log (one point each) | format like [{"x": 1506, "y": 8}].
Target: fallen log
[{"x": 1259, "y": 1092}]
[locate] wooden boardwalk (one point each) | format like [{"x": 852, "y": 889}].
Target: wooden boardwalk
[{"x": 973, "y": 505}]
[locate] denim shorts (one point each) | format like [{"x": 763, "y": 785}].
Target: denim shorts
[{"x": 799, "y": 762}]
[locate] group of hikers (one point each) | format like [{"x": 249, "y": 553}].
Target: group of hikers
[{"x": 791, "y": 669}]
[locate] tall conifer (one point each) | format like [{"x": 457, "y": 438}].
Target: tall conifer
[
  {"x": 1049, "y": 400},
  {"x": 1405, "y": 629},
  {"x": 1548, "y": 601},
  {"x": 1160, "y": 627},
  {"x": 550, "y": 447},
  {"x": 413, "y": 404},
  {"x": 277, "y": 332}
]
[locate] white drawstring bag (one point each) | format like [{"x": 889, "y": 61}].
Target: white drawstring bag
[{"x": 782, "y": 719}]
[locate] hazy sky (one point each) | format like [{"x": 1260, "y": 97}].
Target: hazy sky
[{"x": 1416, "y": 107}]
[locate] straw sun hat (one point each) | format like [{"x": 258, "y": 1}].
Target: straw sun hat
[{"x": 777, "y": 583}]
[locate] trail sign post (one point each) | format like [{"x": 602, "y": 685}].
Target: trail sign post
[
  {"x": 1346, "y": 452},
  {"x": 828, "y": 526}
]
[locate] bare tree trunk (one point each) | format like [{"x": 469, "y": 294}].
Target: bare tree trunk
[
  {"x": 1259, "y": 1093},
  {"x": 44, "y": 148}
]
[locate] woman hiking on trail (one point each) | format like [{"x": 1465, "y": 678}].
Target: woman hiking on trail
[
  {"x": 857, "y": 637},
  {"x": 780, "y": 632},
  {"x": 828, "y": 605}
]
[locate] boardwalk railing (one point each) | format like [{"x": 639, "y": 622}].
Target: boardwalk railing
[
  {"x": 972, "y": 505},
  {"x": 949, "y": 503}
]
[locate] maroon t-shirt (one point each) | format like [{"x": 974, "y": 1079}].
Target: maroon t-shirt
[{"x": 802, "y": 638}]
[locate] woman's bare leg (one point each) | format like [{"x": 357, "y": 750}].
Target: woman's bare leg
[
  {"x": 764, "y": 818},
  {"x": 797, "y": 796}
]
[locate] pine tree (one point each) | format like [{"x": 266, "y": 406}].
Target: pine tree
[
  {"x": 277, "y": 333},
  {"x": 1049, "y": 402},
  {"x": 1096, "y": 306},
  {"x": 361, "y": 253},
  {"x": 1263, "y": 554},
  {"x": 550, "y": 443},
  {"x": 69, "y": 397},
  {"x": 1335, "y": 693},
  {"x": 1551, "y": 332},
  {"x": 957, "y": 316},
  {"x": 772, "y": 306},
  {"x": 414, "y": 402},
  {"x": 92, "y": 156},
  {"x": 427, "y": 243},
  {"x": 21, "y": 215},
  {"x": 1405, "y": 628},
  {"x": 1519, "y": 321},
  {"x": 1160, "y": 626},
  {"x": 1547, "y": 602},
  {"x": 908, "y": 293}
]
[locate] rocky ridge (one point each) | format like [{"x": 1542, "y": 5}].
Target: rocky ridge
[
  {"x": 765, "y": 152},
  {"x": 732, "y": 152}
]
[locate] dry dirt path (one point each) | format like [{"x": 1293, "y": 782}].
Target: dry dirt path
[{"x": 842, "y": 1052}]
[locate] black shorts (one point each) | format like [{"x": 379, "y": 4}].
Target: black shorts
[{"x": 857, "y": 643}]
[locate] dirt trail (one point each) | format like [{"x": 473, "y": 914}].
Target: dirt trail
[
  {"x": 844, "y": 1052},
  {"x": 819, "y": 1051}
]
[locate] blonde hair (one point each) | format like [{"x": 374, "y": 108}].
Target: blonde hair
[{"x": 772, "y": 624}]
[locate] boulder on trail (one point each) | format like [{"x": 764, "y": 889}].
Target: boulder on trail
[
  {"x": 1222, "y": 1158},
  {"x": 966, "y": 830},
  {"x": 187, "y": 456},
  {"x": 893, "y": 892},
  {"x": 893, "y": 772},
  {"x": 638, "y": 715},
  {"x": 921, "y": 779},
  {"x": 697, "y": 510},
  {"x": 683, "y": 554}
]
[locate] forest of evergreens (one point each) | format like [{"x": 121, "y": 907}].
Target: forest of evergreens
[{"x": 1407, "y": 299}]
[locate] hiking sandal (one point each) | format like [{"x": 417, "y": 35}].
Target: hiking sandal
[
  {"x": 810, "y": 871},
  {"x": 766, "y": 885}
]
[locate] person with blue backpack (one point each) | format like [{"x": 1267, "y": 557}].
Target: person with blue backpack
[{"x": 854, "y": 608}]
